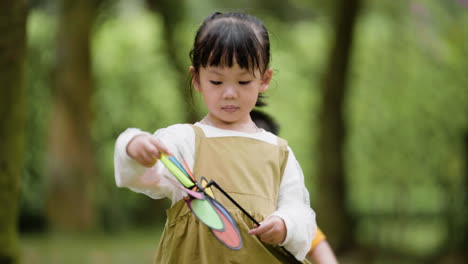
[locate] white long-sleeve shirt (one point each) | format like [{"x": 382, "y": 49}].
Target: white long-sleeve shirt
[{"x": 293, "y": 198}]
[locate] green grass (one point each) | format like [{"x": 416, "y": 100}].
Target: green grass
[{"x": 127, "y": 247}]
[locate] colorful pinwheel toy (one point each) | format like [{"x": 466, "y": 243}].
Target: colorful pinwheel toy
[
  {"x": 205, "y": 207},
  {"x": 202, "y": 203}
]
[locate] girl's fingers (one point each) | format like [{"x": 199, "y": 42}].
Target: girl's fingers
[
  {"x": 269, "y": 238},
  {"x": 270, "y": 231},
  {"x": 261, "y": 229},
  {"x": 160, "y": 146},
  {"x": 266, "y": 236},
  {"x": 152, "y": 151},
  {"x": 146, "y": 150},
  {"x": 147, "y": 160}
]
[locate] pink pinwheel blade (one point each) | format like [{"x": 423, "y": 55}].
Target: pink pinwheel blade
[
  {"x": 187, "y": 169},
  {"x": 230, "y": 237},
  {"x": 196, "y": 195}
]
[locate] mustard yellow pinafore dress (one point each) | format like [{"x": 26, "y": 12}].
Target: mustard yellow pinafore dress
[{"x": 250, "y": 171}]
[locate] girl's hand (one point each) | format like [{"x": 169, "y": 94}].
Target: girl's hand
[
  {"x": 146, "y": 150},
  {"x": 271, "y": 231}
]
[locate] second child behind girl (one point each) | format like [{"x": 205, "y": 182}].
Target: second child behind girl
[{"x": 230, "y": 68}]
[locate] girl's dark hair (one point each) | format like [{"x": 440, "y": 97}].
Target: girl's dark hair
[
  {"x": 265, "y": 121},
  {"x": 224, "y": 39}
]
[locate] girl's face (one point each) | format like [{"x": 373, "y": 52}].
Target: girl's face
[{"x": 230, "y": 93}]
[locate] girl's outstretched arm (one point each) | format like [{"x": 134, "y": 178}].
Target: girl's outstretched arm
[
  {"x": 137, "y": 173},
  {"x": 135, "y": 163}
]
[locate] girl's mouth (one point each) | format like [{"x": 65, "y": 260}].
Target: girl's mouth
[{"x": 230, "y": 108}]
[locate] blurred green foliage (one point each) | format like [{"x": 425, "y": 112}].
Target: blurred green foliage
[
  {"x": 134, "y": 88},
  {"x": 407, "y": 113}
]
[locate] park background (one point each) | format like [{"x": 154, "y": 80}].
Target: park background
[{"x": 371, "y": 95}]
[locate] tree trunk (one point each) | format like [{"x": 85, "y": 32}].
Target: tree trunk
[
  {"x": 13, "y": 15},
  {"x": 171, "y": 12},
  {"x": 72, "y": 165},
  {"x": 332, "y": 214}
]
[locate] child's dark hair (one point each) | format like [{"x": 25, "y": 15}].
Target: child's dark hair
[
  {"x": 265, "y": 121},
  {"x": 225, "y": 39}
]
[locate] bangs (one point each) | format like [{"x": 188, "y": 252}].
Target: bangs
[{"x": 226, "y": 43}]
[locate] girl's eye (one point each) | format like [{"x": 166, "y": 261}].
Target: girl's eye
[
  {"x": 215, "y": 82},
  {"x": 244, "y": 82}
]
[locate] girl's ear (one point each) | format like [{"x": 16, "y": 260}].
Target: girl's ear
[
  {"x": 266, "y": 80},
  {"x": 195, "y": 79}
]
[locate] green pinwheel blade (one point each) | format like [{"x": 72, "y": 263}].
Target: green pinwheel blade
[{"x": 206, "y": 213}]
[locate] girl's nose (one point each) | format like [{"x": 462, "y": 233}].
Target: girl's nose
[{"x": 229, "y": 92}]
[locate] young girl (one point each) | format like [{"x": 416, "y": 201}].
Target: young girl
[{"x": 230, "y": 68}]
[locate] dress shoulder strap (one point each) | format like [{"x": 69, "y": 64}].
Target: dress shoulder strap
[
  {"x": 284, "y": 152},
  {"x": 199, "y": 135},
  {"x": 282, "y": 143},
  {"x": 198, "y": 131}
]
